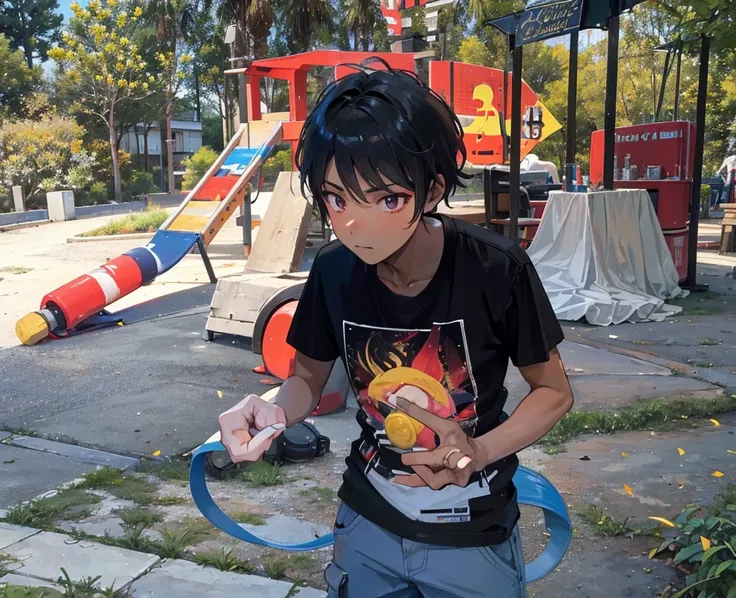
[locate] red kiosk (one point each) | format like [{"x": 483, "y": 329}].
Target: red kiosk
[{"x": 659, "y": 158}]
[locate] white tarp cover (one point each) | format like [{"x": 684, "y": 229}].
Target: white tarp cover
[{"x": 602, "y": 256}]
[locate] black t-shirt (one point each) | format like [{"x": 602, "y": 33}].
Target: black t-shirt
[{"x": 451, "y": 345}]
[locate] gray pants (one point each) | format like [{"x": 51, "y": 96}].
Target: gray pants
[{"x": 370, "y": 562}]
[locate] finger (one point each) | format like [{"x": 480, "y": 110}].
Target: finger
[
  {"x": 434, "y": 458},
  {"x": 435, "y": 479},
  {"x": 253, "y": 449},
  {"x": 454, "y": 459},
  {"x": 438, "y": 424},
  {"x": 413, "y": 481}
]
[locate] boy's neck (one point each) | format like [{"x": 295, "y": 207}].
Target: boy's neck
[{"x": 411, "y": 268}]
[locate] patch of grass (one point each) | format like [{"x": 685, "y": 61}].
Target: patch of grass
[
  {"x": 133, "y": 539},
  {"x": 173, "y": 542},
  {"x": 126, "y": 487},
  {"x": 200, "y": 529},
  {"x": 655, "y": 413},
  {"x": 140, "y": 222},
  {"x": 319, "y": 494},
  {"x": 15, "y": 270},
  {"x": 708, "y": 342},
  {"x": 605, "y": 525},
  {"x": 249, "y": 518},
  {"x": 134, "y": 516},
  {"x": 264, "y": 474},
  {"x": 167, "y": 501},
  {"x": 13, "y": 591},
  {"x": 68, "y": 504},
  {"x": 103, "y": 478},
  {"x": 277, "y": 567},
  {"x": 555, "y": 449},
  {"x": 223, "y": 559},
  {"x": 170, "y": 469}
]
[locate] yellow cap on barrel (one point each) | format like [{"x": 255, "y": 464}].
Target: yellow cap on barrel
[
  {"x": 402, "y": 430},
  {"x": 32, "y": 328}
]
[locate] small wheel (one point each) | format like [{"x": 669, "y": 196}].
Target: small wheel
[{"x": 208, "y": 336}]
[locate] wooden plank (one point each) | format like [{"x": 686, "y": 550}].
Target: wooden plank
[
  {"x": 472, "y": 211},
  {"x": 279, "y": 246},
  {"x": 729, "y": 220}
]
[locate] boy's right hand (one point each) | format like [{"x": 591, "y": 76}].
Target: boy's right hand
[{"x": 238, "y": 423}]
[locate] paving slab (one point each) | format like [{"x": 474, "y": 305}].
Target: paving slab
[
  {"x": 14, "y": 579},
  {"x": 96, "y": 526},
  {"x": 182, "y": 579},
  {"x": 12, "y": 534},
  {"x": 72, "y": 451},
  {"x": 26, "y": 474},
  {"x": 4, "y": 435},
  {"x": 44, "y": 554},
  {"x": 289, "y": 530}
]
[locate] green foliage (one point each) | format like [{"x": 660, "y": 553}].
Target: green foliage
[
  {"x": 278, "y": 162},
  {"x": 139, "y": 183},
  {"x": 605, "y": 525},
  {"x": 32, "y": 25},
  {"x": 249, "y": 518},
  {"x": 197, "y": 165},
  {"x": 16, "y": 79},
  {"x": 261, "y": 473},
  {"x": 138, "y": 222},
  {"x": 212, "y": 134},
  {"x": 223, "y": 559},
  {"x": 134, "y": 516},
  {"x": 640, "y": 416},
  {"x": 68, "y": 504},
  {"x": 169, "y": 468},
  {"x": 473, "y": 51},
  {"x": 173, "y": 542},
  {"x": 705, "y": 549}
]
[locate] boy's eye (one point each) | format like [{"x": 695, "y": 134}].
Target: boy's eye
[
  {"x": 335, "y": 202},
  {"x": 393, "y": 203}
]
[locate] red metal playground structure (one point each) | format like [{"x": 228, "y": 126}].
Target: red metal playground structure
[{"x": 477, "y": 94}]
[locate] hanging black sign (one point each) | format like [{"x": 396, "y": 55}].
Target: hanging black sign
[{"x": 548, "y": 20}]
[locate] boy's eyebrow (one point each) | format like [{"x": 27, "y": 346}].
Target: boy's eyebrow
[{"x": 334, "y": 185}]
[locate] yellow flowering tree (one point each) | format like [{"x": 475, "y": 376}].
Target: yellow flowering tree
[{"x": 98, "y": 54}]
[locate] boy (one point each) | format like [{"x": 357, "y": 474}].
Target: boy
[{"x": 425, "y": 312}]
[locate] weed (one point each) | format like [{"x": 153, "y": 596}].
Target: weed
[
  {"x": 200, "y": 529},
  {"x": 276, "y": 567},
  {"x": 644, "y": 343},
  {"x": 134, "y": 539},
  {"x": 173, "y": 542},
  {"x": 319, "y": 494},
  {"x": 134, "y": 516},
  {"x": 641, "y": 416},
  {"x": 555, "y": 449},
  {"x": 249, "y": 518},
  {"x": 264, "y": 474},
  {"x": 706, "y": 364},
  {"x": 16, "y": 270},
  {"x": 84, "y": 588},
  {"x": 708, "y": 342},
  {"x": 70, "y": 498},
  {"x": 13, "y": 591},
  {"x": 293, "y": 591},
  {"x": 142, "y": 222},
  {"x": 223, "y": 559},
  {"x": 605, "y": 525},
  {"x": 170, "y": 469},
  {"x": 34, "y": 513},
  {"x": 103, "y": 478},
  {"x": 138, "y": 490},
  {"x": 68, "y": 504},
  {"x": 166, "y": 501}
]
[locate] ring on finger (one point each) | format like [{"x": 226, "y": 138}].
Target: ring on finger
[{"x": 451, "y": 452}]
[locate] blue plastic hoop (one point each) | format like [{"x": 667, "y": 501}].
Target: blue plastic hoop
[{"x": 532, "y": 489}]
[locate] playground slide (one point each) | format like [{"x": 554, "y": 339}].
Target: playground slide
[{"x": 80, "y": 304}]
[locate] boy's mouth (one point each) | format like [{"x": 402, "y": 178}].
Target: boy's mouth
[{"x": 363, "y": 247}]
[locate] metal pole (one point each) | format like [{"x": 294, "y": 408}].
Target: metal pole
[
  {"x": 572, "y": 95},
  {"x": 228, "y": 128},
  {"x": 677, "y": 81},
  {"x": 515, "y": 172},
  {"x": 505, "y": 115},
  {"x": 667, "y": 67},
  {"x": 692, "y": 248},
  {"x": 609, "y": 149}
]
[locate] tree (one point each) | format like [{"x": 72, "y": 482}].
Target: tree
[
  {"x": 361, "y": 18},
  {"x": 473, "y": 51},
  {"x": 16, "y": 79},
  {"x": 302, "y": 18},
  {"x": 100, "y": 57},
  {"x": 32, "y": 25}
]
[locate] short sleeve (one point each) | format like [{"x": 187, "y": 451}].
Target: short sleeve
[
  {"x": 530, "y": 327},
  {"x": 311, "y": 332}
]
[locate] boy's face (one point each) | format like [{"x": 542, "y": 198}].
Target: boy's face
[{"x": 374, "y": 229}]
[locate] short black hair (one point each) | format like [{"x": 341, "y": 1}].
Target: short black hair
[{"x": 381, "y": 121}]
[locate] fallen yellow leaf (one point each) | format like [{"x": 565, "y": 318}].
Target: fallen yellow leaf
[
  {"x": 731, "y": 452},
  {"x": 680, "y": 486},
  {"x": 628, "y": 489},
  {"x": 624, "y": 454},
  {"x": 121, "y": 324},
  {"x": 683, "y": 416},
  {"x": 705, "y": 542},
  {"x": 663, "y": 521},
  {"x": 156, "y": 453},
  {"x": 219, "y": 393},
  {"x": 679, "y": 450},
  {"x": 718, "y": 474},
  {"x": 715, "y": 422}
]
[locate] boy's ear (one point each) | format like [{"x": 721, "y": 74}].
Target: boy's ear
[{"x": 436, "y": 193}]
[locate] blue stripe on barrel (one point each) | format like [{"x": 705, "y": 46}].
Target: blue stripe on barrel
[{"x": 146, "y": 262}]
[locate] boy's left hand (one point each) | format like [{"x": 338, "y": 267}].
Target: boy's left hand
[{"x": 453, "y": 462}]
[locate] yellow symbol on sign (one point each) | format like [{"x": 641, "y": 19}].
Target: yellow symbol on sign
[{"x": 488, "y": 124}]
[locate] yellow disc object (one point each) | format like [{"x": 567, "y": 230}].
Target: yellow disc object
[
  {"x": 402, "y": 430},
  {"x": 31, "y": 329}
]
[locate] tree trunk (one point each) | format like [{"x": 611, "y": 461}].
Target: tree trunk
[
  {"x": 170, "y": 139},
  {"x": 145, "y": 147},
  {"x": 196, "y": 95},
  {"x": 164, "y": 154},
  {"x": 117, "y": 193},
  {"x": 137, "y": 147},
  {"x": 28, "y": 52}
]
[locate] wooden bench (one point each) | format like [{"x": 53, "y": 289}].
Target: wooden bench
[{"x": 728, "y": 228}]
